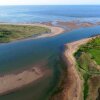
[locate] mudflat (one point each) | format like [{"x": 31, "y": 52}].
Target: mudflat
[{"x": 14, "y": 81}]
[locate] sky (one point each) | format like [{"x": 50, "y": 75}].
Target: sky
[{"x": 49, "y": 2}]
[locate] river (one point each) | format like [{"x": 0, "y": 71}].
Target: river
[{"x": 28, "y": 53}]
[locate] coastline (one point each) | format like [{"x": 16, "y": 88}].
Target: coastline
[
  {"x": 75, "y": 91},
  {"x": 72, "y": 83}
]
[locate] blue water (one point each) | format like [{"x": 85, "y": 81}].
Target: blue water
[
  {"x": 27, "y": 53},
  {"x": 48, "y": 13}
]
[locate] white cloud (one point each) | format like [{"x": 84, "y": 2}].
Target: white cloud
[{"x": 47, "y": 2}]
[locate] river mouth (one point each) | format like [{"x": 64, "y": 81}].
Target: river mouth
[{"x": 27, "y": 53}]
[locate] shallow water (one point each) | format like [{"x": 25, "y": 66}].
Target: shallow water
[{"x": 28, "y": 53}]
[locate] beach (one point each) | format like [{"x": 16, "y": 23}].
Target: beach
[{"x": 74, "y": 82}]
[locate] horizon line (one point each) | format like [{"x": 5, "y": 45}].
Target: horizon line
[{"x": 50, "y": 5}]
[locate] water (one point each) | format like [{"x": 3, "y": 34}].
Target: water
[
  {"x": 27, "y": 53},
  {"x": 48, "y": 13}
]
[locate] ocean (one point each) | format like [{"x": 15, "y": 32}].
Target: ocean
[{"x": 30, "y": 14}]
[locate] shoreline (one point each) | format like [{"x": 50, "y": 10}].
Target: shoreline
[
  {"x": 75, "y": 91},
  {"x": 72, "y": 83}
]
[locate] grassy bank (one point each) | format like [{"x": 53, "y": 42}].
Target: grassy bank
[
  {"x": 14, "y": 32},
  {"x": 88, "y": 59}
]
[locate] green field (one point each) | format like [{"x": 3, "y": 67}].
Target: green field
[
  {"x": 14, "y": 32},
  {"x": 88, "y": 60}
]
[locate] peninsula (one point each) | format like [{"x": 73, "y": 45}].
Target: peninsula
[{"x": 12, "y": 32}]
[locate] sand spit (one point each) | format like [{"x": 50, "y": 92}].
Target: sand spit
[
  {"x": 54, "y": 30},
  {"x": 74, "y": 90},
  {"x": 72, "y": 83},
  {"x": 11, "y": 82}
]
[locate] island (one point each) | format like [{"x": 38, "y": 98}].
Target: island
[
  {"x": 11, "y": 32},
  {"x": 16, "y": 32}
]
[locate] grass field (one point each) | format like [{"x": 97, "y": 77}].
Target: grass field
[
  {"x": 14, "y": 32},
  {"x": 88, "y": 60},
  {"x": 95, "y": 49}
]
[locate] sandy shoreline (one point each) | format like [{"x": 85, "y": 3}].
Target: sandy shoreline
[{"x": 74, "y": 84}]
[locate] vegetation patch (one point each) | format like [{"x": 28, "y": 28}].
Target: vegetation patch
[
  {"x": 88, "y": 59},
  {"x": 14, "y": 32}
]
